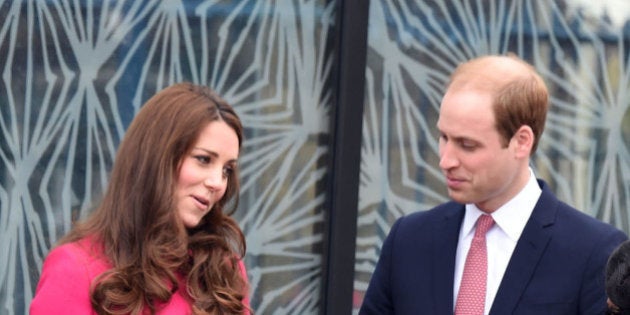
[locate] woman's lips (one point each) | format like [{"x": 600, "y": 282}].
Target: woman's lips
[{"x": 202, "y": 203}]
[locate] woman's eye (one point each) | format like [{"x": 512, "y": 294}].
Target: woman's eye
[
  {"x": 227, "y": 171},
  {"x": 202, "y": 158}
]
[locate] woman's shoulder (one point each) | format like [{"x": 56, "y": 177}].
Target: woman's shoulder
[
  {"x": 82, "y": 256},
  {"x": 66, "y": 277}
]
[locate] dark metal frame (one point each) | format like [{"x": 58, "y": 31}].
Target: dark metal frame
[{"x": 345, "y": 152}]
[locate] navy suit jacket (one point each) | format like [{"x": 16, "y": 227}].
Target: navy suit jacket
[{"x": 556, "y": 268}]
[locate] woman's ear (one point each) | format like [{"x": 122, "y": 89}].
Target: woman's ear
[{"x": 523, "y": 141}]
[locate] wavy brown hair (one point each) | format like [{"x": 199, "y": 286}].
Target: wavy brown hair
[{"x": 137, "y": 225}]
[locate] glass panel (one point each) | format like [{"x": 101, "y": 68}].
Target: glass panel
[
  {"x": 579, "y": 47},
  {"x": 75, "y": 73}
]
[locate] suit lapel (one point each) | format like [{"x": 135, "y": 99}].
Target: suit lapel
[
  {"x": 529, "y": 249},
  {"x": 446, "y": 234}
]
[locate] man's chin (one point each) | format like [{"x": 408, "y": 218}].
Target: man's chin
[{"x": 457, "y": 196}]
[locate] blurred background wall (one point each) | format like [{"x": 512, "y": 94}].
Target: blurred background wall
[{"x": 74, "y": 73}]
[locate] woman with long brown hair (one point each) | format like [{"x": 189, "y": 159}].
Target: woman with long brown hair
[{"x": 161, "y": 241}]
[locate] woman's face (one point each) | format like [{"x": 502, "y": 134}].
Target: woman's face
[{"x": 204, "y": 172}]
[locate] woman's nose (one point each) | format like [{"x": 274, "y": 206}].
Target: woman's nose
[{"x": 214, "y": 178}]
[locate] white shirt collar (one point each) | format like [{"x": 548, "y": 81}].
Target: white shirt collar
[{"x": 513, "y": 215}]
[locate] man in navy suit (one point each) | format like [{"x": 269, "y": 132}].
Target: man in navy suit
[{"x": 543, "y": 256}]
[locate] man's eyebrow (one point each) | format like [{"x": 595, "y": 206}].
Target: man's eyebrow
[{"x": 459, "y": 138}]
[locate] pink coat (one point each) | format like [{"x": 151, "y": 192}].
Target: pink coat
[{"x": 66, "y": 277}]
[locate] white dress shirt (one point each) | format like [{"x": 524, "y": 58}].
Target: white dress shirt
[{"x": 501, "y": 239}]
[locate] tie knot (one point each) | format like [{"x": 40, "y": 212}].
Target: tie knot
[{"x": 484, "y": 223}]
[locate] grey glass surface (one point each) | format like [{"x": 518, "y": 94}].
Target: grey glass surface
[
  {"x": 74, "y": 73},
  {"x": 579, "y": 47}
]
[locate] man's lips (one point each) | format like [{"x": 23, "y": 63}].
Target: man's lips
[{"x": 453, "y": 182}]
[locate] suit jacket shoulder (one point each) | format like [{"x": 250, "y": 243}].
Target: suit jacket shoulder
[
  {"x": 414, "y": 274},
  {"x": 557, "y": 265}
]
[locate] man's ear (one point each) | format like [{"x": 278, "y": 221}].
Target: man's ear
[{"x": 523, "y": 141}]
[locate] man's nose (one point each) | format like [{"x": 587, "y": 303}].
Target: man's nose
[{"x": 448, "y": 158}]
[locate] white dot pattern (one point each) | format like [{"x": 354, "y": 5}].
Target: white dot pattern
[{"x": 472, "y": 291}]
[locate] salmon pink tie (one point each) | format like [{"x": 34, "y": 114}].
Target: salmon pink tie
[{"x": 471, "y": 298}]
